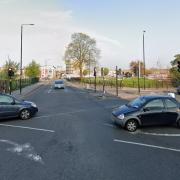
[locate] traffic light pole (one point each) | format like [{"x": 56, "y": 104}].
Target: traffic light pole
[
  {"x": 95, "y": 84},
  {"x": 95, "y": 79},
  {"x": 10, "y": 86}
]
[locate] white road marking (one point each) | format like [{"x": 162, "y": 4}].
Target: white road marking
[
  {"x": 25, "y": 127},
  {"x": 109, "y": 125},
  {"x": 147, "y": 145},
  {"x": 160, "y": 134},
  {"x": 49, "y": 91},
  {"x": 25, "y": 150}
]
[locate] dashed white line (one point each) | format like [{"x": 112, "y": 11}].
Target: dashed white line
[
  {"x": 25, "y": 127},
  {"x": 49, "y": 91},
  {"x": 147, "y": 145},
  {"x": 109, "y": 125},
  {"x": 160, "y": 134}
]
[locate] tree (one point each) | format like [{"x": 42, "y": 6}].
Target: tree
[
  {"x": 85, "y": 72},
  {"x": 106, "y": 71},
  {"x": 134, "y": 66},
  {"x": 9, "y": 64},
  {"x": 82, "y": 51},
  {"x": 33, "y": 70},
  {"x": 174, "y": 73}
]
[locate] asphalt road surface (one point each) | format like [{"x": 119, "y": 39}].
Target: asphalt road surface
[{"x": 72, "y": 138}]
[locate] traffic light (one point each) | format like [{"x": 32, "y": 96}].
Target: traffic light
[
  {"x": 178, "y": 66},
  {"x": 10, "y": 72}
]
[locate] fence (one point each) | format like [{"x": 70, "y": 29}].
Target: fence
[
  {"x": 5, "y": 84},
  {"x": 127, "y": 82}
]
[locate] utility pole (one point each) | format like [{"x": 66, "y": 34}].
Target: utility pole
[
  {"x": 144, "y": 61},
  {"x": 116, "y": 81},
  {"x": 21, "y": 61}
]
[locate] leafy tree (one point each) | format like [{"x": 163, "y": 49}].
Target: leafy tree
[
  {"x": 9, "y": 64},
  {"x": 82, "y": 51},
  {"x": 33, "y": 70},
  {"x": 175, "y": 74},
  {"x": 134, "y": 66},
  {"x": 106, "y": 71},
  {"x": 85, "y": 72}
]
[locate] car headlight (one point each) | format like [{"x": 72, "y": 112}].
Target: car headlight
[
  {"x": 33, "y": 105},
  {"x": 121, "y": 116}
]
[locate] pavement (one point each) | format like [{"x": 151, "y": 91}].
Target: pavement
[
  {"x": 72, "y": 138},
  {"x": 124, "y": 93},
  {"x": 27, "y": 90}
]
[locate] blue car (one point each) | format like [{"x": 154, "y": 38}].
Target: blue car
[
  {"x": 10, "y": 107},
  {"x": 148, "y": 111}
]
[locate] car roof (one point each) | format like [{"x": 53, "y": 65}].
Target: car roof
[
  {"x": 149, "y": 97},
  {"x": 59, "y": 81}
]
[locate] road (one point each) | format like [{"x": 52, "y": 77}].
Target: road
[{"x": 72, "y": 138}]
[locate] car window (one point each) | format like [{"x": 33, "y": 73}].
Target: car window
[
  {"x": 138, "y": 102},
  {"x": 58, "y": 82},
  {"x": 5, "y": 100},
  {"x": 170, "y": 104},
  {"x": 155, "y": 104}
]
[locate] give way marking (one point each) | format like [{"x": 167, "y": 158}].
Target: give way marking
[{"x": 25, "y": 150}]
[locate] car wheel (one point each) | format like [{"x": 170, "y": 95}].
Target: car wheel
[
  {"x": 25, "y": 114},
  {"x": 131, "y": 125}
]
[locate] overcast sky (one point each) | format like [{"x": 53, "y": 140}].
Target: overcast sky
[{"x": 116, "y": 25}]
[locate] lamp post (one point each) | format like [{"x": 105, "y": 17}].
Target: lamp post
[
  {"x": 20, "y": 82},
  {"x": 144, "y": 60}
]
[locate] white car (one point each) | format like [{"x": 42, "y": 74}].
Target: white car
[{"x": 59, "y": 84}]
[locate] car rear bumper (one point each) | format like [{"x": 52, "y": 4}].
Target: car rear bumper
[{"x": 59, "y": 87}]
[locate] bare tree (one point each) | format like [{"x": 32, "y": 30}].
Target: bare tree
[{"x": 82, "y": 52}]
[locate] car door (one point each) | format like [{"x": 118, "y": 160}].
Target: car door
[
  {"x": 7, "y": 107},
  {"x": 172, "y": 110},
  {"x": 153, "y": 113}
]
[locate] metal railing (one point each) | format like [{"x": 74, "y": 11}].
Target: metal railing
[{"x": 15, "y": 85}]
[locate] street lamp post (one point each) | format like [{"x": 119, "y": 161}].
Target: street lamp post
[
  {"x": 20, "y": 82},
  {"x": 144, "y": 60}
]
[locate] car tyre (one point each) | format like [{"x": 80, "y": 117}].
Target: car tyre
[
  {"x": 131, "y": 125},
  {"x": 25, "y": 114}
]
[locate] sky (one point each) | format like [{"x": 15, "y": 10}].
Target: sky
[{"x": 117, "y": 26}]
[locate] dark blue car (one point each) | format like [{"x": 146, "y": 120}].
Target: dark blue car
[
  {"x": 148, "y": 111},
  {"x": 10, "y": 107}
]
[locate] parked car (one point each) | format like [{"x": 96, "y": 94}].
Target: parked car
[
  {"x": 59, "y": 84},
  {"x": 147, "y": 111},
  {"x": 10, "y": 107}
]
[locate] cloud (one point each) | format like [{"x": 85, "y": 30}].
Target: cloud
[
  {"x": 49, "y": 37},
  {"x": 5, "y": 1}
]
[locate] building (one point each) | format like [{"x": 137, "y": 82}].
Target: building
[
  {"x": 69, "y": 67},
  {"x": 47, "y": 72}
]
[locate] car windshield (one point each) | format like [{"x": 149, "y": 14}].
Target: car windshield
[
  {"x": 58, "y": 82},
  {"x": 138, "y": 102}
]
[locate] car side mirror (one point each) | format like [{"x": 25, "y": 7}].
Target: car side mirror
[{"x": 146, "y": 109}]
